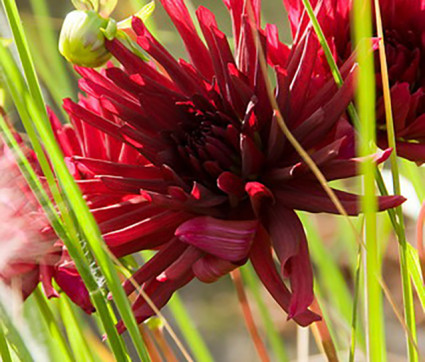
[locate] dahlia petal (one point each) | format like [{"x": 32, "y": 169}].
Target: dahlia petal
[
  {"x": 400, "y": 104},
  {"x": 104, "y": 167},
  {"x": 105, "y": 213},
  {"x": 143, "y": 228},
  {"x": 135, "y": 65},
  {"x": 237, "y": 9},
  {"x": 311, "y": 197},
  {"x": 134, "y": 185},
  {"x": 209, "y": 269},
  {"x": 252, "y": 157},
  {"x": 231, "y": 184},
  {"x": 93, "y": 186},
  {"x": 318, "y": 125},
  {"x": 341, "y": 168},
  {"x": 181, "y": 265},
  {"x": 180, "y": 16},
  {"x": 46, "y": 275},
  {"x": 160, "y": 293},
  {"x": 411, "y": 151},
  {"x": 258, "y": 194},
  {"x": 290, "y": 243},
  {"x": 300, "y": 83},
  {"x": 277, "y": 52},
  {"x": 229, "y": 240},
  {"x": 148, "y": 42},
  {"x": 117, "y": 221},
  {"x": 156, "y": 265},
  {"x": 71, "y": 283},
  {"x": 262, "y": 261}
]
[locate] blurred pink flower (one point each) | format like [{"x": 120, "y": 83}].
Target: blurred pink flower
[{"x": 29, "y": 250}]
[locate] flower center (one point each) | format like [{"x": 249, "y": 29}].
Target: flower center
[{"x": 207, "y": 144}]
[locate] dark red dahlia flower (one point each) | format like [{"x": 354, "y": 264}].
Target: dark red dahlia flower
[
  {"x": 187, "y": 158},
  {"x": 404, "y": 32},
  {"x": 30, "y": 251}
]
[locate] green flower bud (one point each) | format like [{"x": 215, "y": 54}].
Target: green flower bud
[{"x": 82, "y": 38}]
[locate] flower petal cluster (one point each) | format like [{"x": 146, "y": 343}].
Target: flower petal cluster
[
  {"x": 404, "y": 34},
  {"x": 187, "y": 157},
  {"x": 30, "y": 251}
]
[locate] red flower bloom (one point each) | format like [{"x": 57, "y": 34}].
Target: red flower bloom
[
  {"x": 187, "y": 158},
  {"x": 30, "y": 251},
  {"x": 404, "y": 29}
]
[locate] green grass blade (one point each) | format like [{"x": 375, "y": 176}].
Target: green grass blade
[
  {"x": 74, "y": 331},
  {"x": 52, "y": 324},
  {"x": 366, "y": 109},
  {"x": 190, "y": 333}
]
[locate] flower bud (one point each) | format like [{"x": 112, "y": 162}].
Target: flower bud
[{"x": 82, "y": 38}]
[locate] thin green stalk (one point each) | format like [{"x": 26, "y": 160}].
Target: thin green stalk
[
  {"x": 4, "y": 347},
  {"x": 366, "y": 146},
  {"x": 276, "y": 342},
  {"x": 72, "y": 193},
  {"x": 190, "y": 332},
  {"x": 409, "y": 310},
  {"x": 52, "y": 325}
]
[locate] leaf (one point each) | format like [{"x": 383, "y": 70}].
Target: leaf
[{"x": 106, "y": 7}]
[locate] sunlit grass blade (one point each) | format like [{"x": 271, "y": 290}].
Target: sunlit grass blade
[
  {"x": 61, "y": 345},
  {"x": 275, "y": 340},
  {"x": 75, "y": 332},
  {"x": 362, "y": 25}
]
